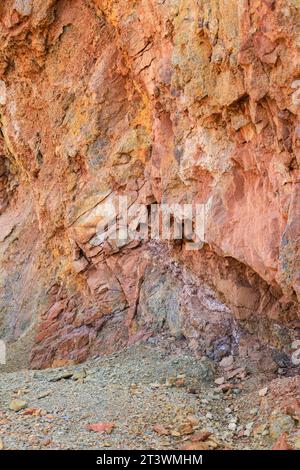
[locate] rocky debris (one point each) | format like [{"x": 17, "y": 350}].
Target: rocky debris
[
  {"x": 132, "y": 400},
  {"x": 161, "y": 430}
]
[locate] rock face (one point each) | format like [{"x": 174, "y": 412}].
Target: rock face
[{"x": 176, "y": 101}]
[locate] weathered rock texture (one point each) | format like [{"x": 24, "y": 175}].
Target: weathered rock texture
[{"x": 163, "y": 101}]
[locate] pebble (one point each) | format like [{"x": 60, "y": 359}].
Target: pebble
[
  {"x": 263, "y": 392},
  {"x": 227, "y": 362},
  {"x": 232, "y": 426},
  {"x": 220, "y": 380},
  {"x": 234, "y": 419},
  {"x": 61, "y": 376},
  {"x": 79, "y": 375},
  {"x": 155, "y": 385},
  {"x": 17, "y": 405},
  {"x": 44, "y": 394},
  {"x": 260, "y": 429}
]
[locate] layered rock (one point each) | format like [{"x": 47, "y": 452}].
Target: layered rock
[{"x": 167, "y": 102}]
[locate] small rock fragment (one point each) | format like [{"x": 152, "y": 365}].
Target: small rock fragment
[
  {"x": 260, "y": 429},
  {"x": 63, "y": 375},
  {"x": 201, "y": 436},
  {"x": 226, "y": 362},
  {"x": 263, "y": 392},
  {"x": 17, "y": 405},
  {"x": 232, "y": 426},
  {"x": 101, "y": 427},
  {"x": 79, "y": 375},
  {"x": 161, "y": 430},
  {"x": 44, "y": 394},
  {"x": 220, "y": 380},
  {"x": 32, "y": 412}
]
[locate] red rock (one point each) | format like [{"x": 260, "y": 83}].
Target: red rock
[
  {"x": 201, "y": 436},
  {"x": 31, "y": 411},
  {"x": 80, "y": 265},
  {"x": 55, "y": 311},
  {"x": 161, "y": 430},
  {"x": 281, "y": 443},
  {"x": 102, "y": 428}
]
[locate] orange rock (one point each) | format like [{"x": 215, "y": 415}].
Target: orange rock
[
  {"x": 282, "y": 443},
  {"x": 161, "y": 430},
  {"x": 102, "y": 428},
  {"x": 201, "y": 436},
  {"x": 32, "y": 411},
  {"x": 196, "y": 446}
]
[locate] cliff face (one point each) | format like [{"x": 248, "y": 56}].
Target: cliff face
[{"x": 175, "y": 101}]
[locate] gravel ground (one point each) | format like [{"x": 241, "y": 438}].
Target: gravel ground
[{"x": 154, "y": 398}]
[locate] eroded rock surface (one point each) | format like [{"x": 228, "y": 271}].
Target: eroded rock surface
[{"x": 170, "y": 101}]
